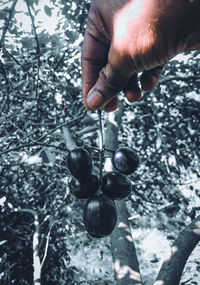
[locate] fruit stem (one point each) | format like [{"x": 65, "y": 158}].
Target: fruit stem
[{"x": 101, "y": 146}]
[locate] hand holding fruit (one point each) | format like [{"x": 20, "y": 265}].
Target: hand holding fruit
[{"x": 125, "y": 37}]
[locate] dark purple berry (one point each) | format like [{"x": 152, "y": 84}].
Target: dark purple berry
[
  {"x": 85, "y": 188},
  {"x": 116, "y": 185},
  {"x": 99, "y": 216},
  {"x": 79, "y": 163},
  {"x": 125, "y": 160}
]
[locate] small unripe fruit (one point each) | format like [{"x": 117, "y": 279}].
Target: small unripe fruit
[
  {"x": 100, "y": 216},
  {"x": 85, "y": 188},
  {"x": 125, "y": 160},
  {"x": 79, "y": 163},
  {"x": 116, "y": 185}
]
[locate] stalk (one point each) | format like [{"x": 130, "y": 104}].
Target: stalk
[{"x": 101, "y": 145}]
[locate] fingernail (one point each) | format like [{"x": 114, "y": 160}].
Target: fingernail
[{"x": 94, "y": 99}]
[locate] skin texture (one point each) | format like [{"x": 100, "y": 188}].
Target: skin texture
[{"x": 124, "y": 38}]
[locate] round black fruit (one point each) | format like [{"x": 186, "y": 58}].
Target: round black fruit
[
  {"x": 99, "y": 216},
  {"x": 85, "y": 188},
  {"x": 125, "y": 160},
  {"x": 116, "y": 185},
  {"x": 79, "y": 163}
]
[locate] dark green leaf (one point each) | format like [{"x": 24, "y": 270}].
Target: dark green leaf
[
  {"x": 47, "y": 10},
  {"x": 3, "y": 15}
]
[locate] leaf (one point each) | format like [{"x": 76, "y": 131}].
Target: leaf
[
  {"x": 27, "y": 42},
  {"x": 48, "y": 156},
  {"x": 47, "y": 10},
  {"x": 3, "y": 15},
  {"x": 158, "y": 142}
]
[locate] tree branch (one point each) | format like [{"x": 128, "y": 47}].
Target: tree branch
[
  {"x": 8, "y": 88},
  {"x": 34, "y": 27},
  {"x": 30, "y": 145},
  {"x": 77, "y": 89},
  {"x": 7, "y": 22},
  {"x": 62, "y": 125},
  {"x": 172, "y": 269},
  {"x": 47, "y": 244}
]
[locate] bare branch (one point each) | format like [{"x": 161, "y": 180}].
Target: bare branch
[
  {"x": 34, "y": 27},
  {"x": 30, "y": 145},
  {"x": 8, "y": 87},
  {"x": 47, "y": 244},
  {"x": 7, "y": 22}
]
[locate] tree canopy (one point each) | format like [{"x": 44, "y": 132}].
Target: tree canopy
[{"x": 40, "y": 79}]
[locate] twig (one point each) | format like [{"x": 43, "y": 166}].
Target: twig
[
  {"x": 7, "y": 22},
  {"x": 34, "y": 28},
  {"x": 37, "y": 52},
  {"x": 101, "y": 145},
  {"x": 37, "y": 142},
  {"x": 47, "y": 245},
  {"x": 77, "y": 89},
  {"x": 60, "y": 126},
  {"x": 7, "y": 88},
  {"x": 30, "y": 145}
]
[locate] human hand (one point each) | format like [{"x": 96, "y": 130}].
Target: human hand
[{"x": 125, "y": 37}]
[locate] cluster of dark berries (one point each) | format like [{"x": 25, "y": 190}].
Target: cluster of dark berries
[{"x": 100, "y": 213}]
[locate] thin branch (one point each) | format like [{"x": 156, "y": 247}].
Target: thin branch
[
  {"x": 34, "y": 27},
  {"x": 77, "y": 89},
  {"x": 31, "y": 145},
  {"x": 62, "y": 125},
  {"x": 37, "y": 142},
  {"x": 24, "y": 210},
  {"x": 60, "y": 60},
  {"x": 7, "y": 87},
  {"x": 37, "y": 52},
  {"x": 7, "y": 22},
  {"x": 18, "y": 63},
  {"x": 47, "y": 245}
]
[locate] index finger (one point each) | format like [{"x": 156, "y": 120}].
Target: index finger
[{"x": 93, "y": 58}]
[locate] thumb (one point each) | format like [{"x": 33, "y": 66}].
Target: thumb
[{"x": 109, "y": 83}]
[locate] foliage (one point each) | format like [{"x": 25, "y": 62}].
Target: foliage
[
  {"x": 165, "y": 130},
  {"x": 41, "y": 92},
  {"x": 40, "y": 79}
]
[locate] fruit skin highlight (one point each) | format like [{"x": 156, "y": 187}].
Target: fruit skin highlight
[
  {"x": 84, "y": 189},
  {"x": 125, "y": 160},
  {"x": 99, "y": 216},
  {"x": 116, "y": 185},
  {"x": 79, "y": 163}
]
